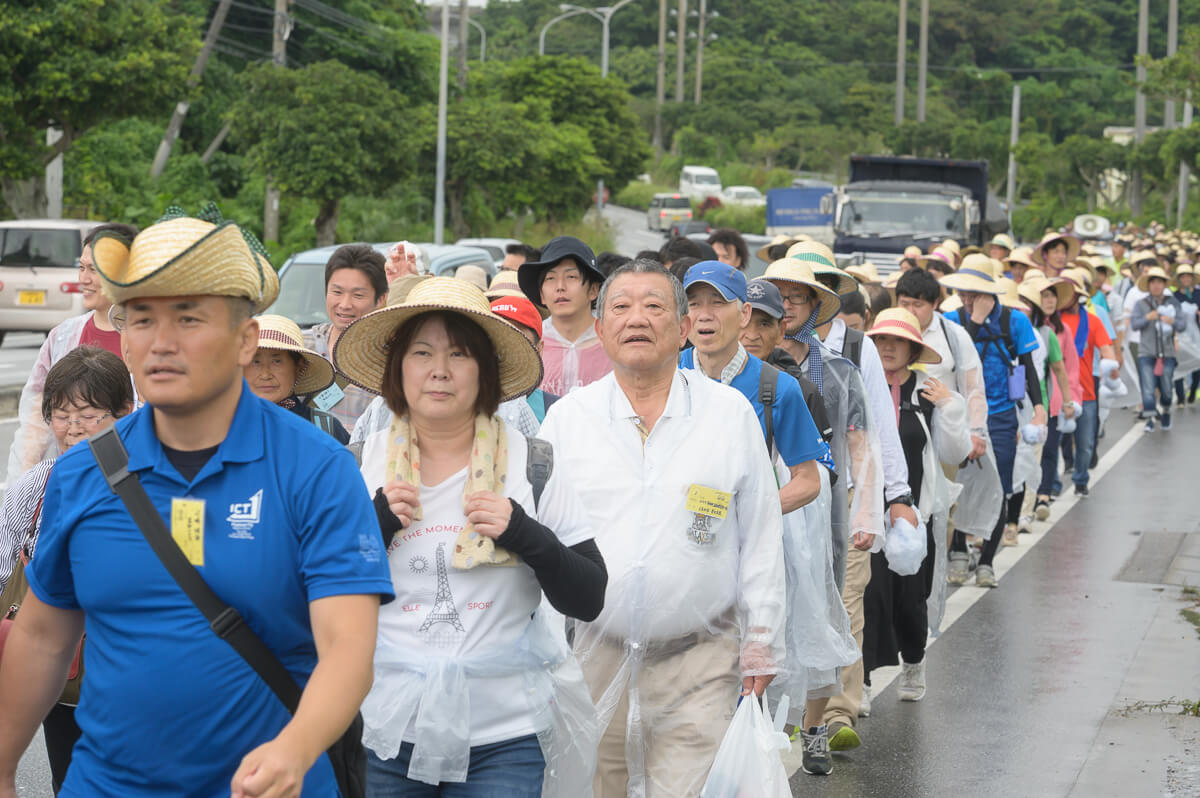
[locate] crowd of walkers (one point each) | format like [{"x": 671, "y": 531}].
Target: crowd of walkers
[{"x": 538, "y": 538}]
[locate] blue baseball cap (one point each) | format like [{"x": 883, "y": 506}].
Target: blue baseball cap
[{"x": 729, "y": 282}]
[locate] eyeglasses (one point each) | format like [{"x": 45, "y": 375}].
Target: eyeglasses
[
  {"x": 797, "y": 299},
  {"x": 86, "y": 421}
]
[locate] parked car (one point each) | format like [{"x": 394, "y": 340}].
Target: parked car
[
  {"x": 302, "y": 276},
  {"x": 699, "y": 182},
  {"x": 38, "y": 271},
  {"x": 667, "y": 209},
  {"x": 743, "y": 195},
  {"x": 494, "y": 246},
  {"x": 689, "y": 229}
]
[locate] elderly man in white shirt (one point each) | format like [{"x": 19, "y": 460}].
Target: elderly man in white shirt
[{"x": 683, "y": 497}]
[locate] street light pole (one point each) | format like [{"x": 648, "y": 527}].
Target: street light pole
[{"x": 542, "y": 36}]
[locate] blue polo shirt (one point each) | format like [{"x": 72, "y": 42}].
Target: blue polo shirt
[
  {"x": 796, "y": 437},
  {"x": 995, "y": 363},
  {"x": 168, "y": 708}
]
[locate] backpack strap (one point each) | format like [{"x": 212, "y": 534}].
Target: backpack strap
[
  {"x": 767, "y": 380},
  {"x": 852, "y": 346},
  {"x": 948, "y": 334},
  {"x": 539, "y": 465}
]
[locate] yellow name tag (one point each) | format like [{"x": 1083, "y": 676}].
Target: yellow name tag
[
  {"x": 187, "y": 527},
  {"x": 708, "y": 501}
]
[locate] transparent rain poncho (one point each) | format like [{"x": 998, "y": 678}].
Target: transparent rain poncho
[
  {"x": 689, "y": 524},
  {"x": 979, "y": 504},
  {"x": 33, "y": 441}
]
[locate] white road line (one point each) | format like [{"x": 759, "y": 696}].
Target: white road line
[{"x": 1006, "y": 559}]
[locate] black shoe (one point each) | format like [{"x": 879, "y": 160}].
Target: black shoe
[
  {"x": 1166, "y": 422},
  {"x": 1081, "y": 491},
  {"x": 815, "y": 758}
]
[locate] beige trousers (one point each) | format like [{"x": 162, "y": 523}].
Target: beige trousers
[
  {"x": 843, "y": 708},
  {"x": 686, "y": 701}
]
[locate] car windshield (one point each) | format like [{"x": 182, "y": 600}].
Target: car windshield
[
  {"x": 747, "y": 193},
  {"x": 707, "y": 180},
  {"x": 31, "y": 247},
  {"x": 302, "y": 294},
  {"x": 875, "y": 213}
]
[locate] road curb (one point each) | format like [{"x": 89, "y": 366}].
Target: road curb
[{"x": 10, "y": 397}]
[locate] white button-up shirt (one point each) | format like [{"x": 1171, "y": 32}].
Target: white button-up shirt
[{"x": 666, "y": 577}]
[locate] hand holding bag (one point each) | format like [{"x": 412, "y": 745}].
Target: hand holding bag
[{"x": 347, "y": 755}]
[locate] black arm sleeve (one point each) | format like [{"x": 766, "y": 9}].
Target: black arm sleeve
[
  {"x": 1033, "y": 386},
  {"x": 389, "y": 524},
  {"x": 573, "y": 578}
]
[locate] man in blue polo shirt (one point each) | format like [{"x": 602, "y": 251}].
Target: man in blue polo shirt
[
  {"x": 1005, "y": 339},
  {"x": 271, "y": 512}
]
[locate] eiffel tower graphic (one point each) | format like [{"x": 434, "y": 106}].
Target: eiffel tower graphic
[{"x": 443, "y": 604}]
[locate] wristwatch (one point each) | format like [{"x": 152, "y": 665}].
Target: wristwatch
[{"x": 904, "y": 498}]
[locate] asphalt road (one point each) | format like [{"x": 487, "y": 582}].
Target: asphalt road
[
  {"x": 17, "y": 355},
  {"x": 630, "y": 235}
]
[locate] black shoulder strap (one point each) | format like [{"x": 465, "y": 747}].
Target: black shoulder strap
[
  {"x": 950, "y": 341},
  {"x": 225, "y": 621},
  {"x": 538, "y": 466},
  {"x": 767, "y": 379},
  {"x": 852, "y": 346}
]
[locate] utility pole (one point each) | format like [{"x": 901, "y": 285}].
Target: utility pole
[
  {"x": 700, "y": 53},
  {"x": 463, "y": 31},
  {"x": 439, "y": 189},
  {"x": 680, "y": 50},
  {"x": 54, "y": 177},
  {"x": 1185, "y": 173},
  {"x": 923, "y": 62},
  {"x": 181, "y": 108},
  {"x": 660, "y": 86},
  {"x": 901, "y": 52},
  {"x": 1013, "y": 136},
  {"x": 283, "y": 29},
  {"x": 1139, "y": 107},
  {"x": 1172, "y": 46}
]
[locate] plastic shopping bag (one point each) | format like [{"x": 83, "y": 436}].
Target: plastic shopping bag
[
  {"x": 906, "y": 546},
  {"x": 747, "y": 763}
]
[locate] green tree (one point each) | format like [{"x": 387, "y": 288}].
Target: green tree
[
  {"x": 75, "y": 64},
  {"x": 323, "y": 132}
]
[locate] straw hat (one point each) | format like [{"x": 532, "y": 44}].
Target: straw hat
[
  {"x": 475, "y": 275},
  {"x": 1009, "y": 296},
  {"x": 1022, "y": 256},
  {"x": 950, "y": 245},
  {"x": 1072, "y": 247},
  {"x": 977, "y": 274},
  {"x": 1183, "y": 268},
  {"x": 186, "y": 256},
  {"x": 1078, "y": 279},
  {"x": 792, "y": 270},
  {"x": 1031, "y": 290},
  {"x": 941, "y": 255},
  {"x": 1031, "y": 274},
  {"x": 864, "y": 272},
  {"x": 764, "y": 252},
  {"x": 1143, "y": 282},
  {"x": 899, "y": 323},
  {"x": 361, "y": 352},
  {"x": 950, "y": 304},
  {"x": 1088, "y": 265},
  {"x": 280, "y": 332},
  {"x": 912, "y": 252},
  {"x": 822, "y": 261},
  {"x": 1140, "y": 257},
  {"x": 505, "y": 284},
  {"x": 1003, "y": 240}
]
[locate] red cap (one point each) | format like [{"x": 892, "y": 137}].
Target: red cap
[{"x": 519, "y": 310}]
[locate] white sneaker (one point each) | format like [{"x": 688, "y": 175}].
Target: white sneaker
[
  {"x": 864, "y": 709},
  {"x": 912, "y": 681}
]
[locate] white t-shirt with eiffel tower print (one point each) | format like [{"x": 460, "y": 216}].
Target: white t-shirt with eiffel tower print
[{"x": 440, "y": 611}]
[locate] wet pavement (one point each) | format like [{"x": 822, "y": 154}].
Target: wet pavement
[{"x": 1047, "y": 686}]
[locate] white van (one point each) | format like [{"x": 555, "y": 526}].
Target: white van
[{"x": 699, "y": 182}]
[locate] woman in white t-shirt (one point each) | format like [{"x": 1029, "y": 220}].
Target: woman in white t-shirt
[{"x": 475, "y": 689}]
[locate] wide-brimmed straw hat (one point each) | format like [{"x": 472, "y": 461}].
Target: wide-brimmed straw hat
[
  {"x": 950, "y": 245},
  {"x": 279, "y": 332},
  {"x": 1183, "y": 268},
  {"x": 1031, "y": 290},
  {"x": 977, "y": 274},
  {"x": 764, "y": 252},
  {"x": 182, "y": 255},
  {"x": 950, "y": 304},
  {"x": 941, "y": 255},
  {"x": 864, "y": 272},
  {"x": 899, "y": 323},
  {"x": 822, "y": 261},
  {"x": 1002, "y": 240},
  {"x": 1078, "y": 279},
  {"x": 1008, "y": 295},
  {"x": 1022, "y": 256},
  {"x": 505, "y": 283},
  {"x": 1143, "y": 256},
  {"x": 791, "y": 270},
  {"x": 1040, "y": 250},
  {"x": 361, "y": 352},
  {"x": 1143, "y": 282}
]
